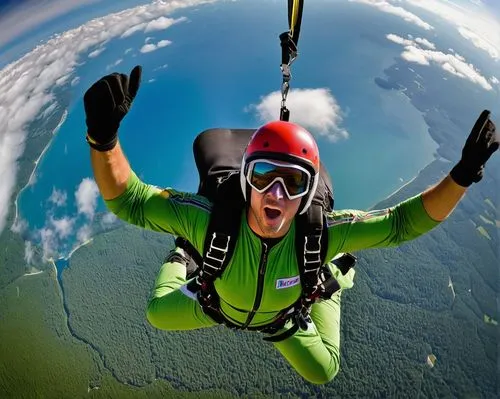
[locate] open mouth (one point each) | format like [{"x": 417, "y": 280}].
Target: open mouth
[{"x": 272, "y": 213}]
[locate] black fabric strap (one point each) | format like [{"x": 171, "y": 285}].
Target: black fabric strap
[
  {"x": 284, "y": 335},
  {"x": 223, "y": 229},
  {"x": 308, "y": 239}
]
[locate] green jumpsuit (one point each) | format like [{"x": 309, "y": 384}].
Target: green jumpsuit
[{"x": 315, "y": 352}]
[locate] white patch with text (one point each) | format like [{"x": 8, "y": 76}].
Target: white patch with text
[{"x": 287, "y": 282}]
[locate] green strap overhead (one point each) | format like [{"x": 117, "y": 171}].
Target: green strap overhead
[{"x": 289, "y": 41}]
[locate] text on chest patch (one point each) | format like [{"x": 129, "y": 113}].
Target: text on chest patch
[{"x": 287, "y": 282}]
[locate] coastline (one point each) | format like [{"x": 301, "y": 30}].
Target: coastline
[
  {"x": 36, "y": 162},
  {"x": 78, "y": 247},
  {"x": 33, "y": 273},
  {"x": 398, "y": 189},
  {"x": 437, "y": 158},
  {"x": 67, "y": 258}
]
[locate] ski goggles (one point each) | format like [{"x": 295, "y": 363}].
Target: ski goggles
[{"x": 262, "y": 174}]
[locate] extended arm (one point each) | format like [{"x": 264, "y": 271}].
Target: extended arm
[
  {"x": 111, "y": 171},
  {"x": 106, "y": 103},
  {"x": 440, "y": 200}
]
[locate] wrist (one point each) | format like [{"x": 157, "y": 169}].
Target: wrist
[
  {"x": 462, "y": 175},
  {"x": 101, "y": 147}
]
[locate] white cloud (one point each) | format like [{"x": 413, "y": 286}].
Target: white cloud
[
  {"x": 473, "y": 22},
  {"x": 26, "y": 85},
  {"x": 84, "y": 233},
  {"x": 452, "y": 63},
  {"x": 315, "y": 109},
  {"x": 148, "y": 48},
  {"x": 160, "y": 67},
  {"x": 62, "y": 80},
  {"x": 63, "y": 227},
  {"x": 133, "y": 29},
  {"x": 494, "y": 80},
  {"x": 47, "y": 111},
  {"x": 399, "y": 40},
  {"x": 479, "y": 42},
  {"x": 415, "y": 54},
  {"x": 28, "y": 252},
  {"x": 164, "y": 43},
  {"x": 425, "y": 42},
  {"x": 58, "y": 197},
  {"x": 96, "y": 52},
  {"x": 128, "y": 50},
  {"x": 49, "y": 242},
  {"x": 75, "y": 81},
  {"x": 117, "y": 62},
  {"x": 19, "y": 226},
  {"x": 86, "y": 197},
  {"x": 109, "y": 218},
  {"x": 387, "y": 7},
  {"x": 160, "y": 23}
]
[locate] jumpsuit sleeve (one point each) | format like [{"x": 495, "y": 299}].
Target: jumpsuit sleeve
[
  {"x": 352, "y": 230},
  {"x": 163, "y": 210}
]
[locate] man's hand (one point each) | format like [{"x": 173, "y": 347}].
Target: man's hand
[
  {"x": 106, "y": 103},
  {"x": 481, "y": 143}
]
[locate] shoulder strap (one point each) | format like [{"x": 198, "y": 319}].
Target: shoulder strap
[
  {"x": 311, "y": 243},
  {"x": 223, "y": 229},
  {"x": 217, "y": 153}
]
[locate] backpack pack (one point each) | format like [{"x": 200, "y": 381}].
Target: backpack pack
[{"x": 218, "y": 155}]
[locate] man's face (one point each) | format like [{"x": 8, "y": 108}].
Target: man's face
[{"x": 271, "y": 213}]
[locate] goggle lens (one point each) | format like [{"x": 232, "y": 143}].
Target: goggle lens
[{"x": 294, "y": 179}]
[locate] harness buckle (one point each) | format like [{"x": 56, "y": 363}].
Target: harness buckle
[
  {"x": 312, "y": 254},
  {"x": 216, "y": 254}
]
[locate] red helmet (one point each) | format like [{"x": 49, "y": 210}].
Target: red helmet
[{"x": 287, "y": 143}]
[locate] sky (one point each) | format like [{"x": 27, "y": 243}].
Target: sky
[
  {"x": 27, "y": 84},
  {"x": 18, "y": 17}
]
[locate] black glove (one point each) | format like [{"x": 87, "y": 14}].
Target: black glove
[
  {"x": 106, "y": 103},
  {"x": 481, "y": 143}
]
